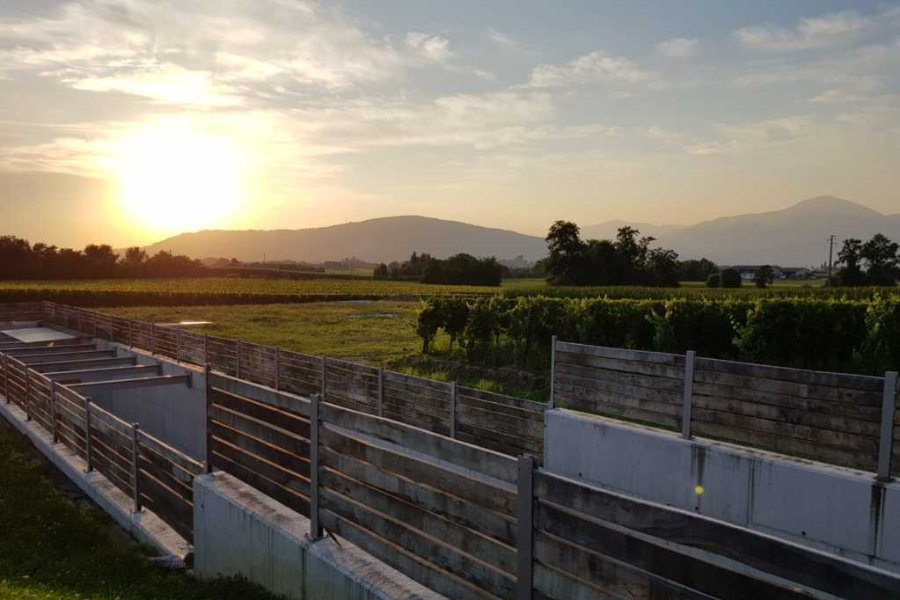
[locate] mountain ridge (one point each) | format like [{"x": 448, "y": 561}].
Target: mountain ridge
[{"x": 791, "y": 236}]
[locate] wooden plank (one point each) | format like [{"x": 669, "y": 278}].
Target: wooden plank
[
  {"x": 285, "y": 478},
  {"x": 169, "y": 453},
  {"x": 497, "y": 525},
  {"x": 258, "y": 393},
  {"x": 420, "y": 383},
  {"x": 486, "y": 419},
  {"x": 471, "y": 457},
  {"x": 781, "y": 558},
  {"x": 170, "y": 507},
  {"x": 589, "y": 377},
  {"x": 489, "y": 581},
  {"x": 288, "y": 440},
  {"x": 786, "y": 374},
  {"x": 461, "y": 538},
  {"x": 288, "y": 459},
  {"x": 488, "y": 492},
  {"x": 266, "y": 414},
  {"x": 291, "y": 498},
  {"x": 660, "y": 358},
  {"x": 530, "y": 406}
]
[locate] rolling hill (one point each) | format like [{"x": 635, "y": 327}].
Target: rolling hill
[{"x": 794, "y": 236}]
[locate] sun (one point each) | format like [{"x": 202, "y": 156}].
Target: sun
[{"x": 174, "y": 178}]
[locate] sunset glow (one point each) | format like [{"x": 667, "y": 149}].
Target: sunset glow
[{"x": 174, "y": 178}]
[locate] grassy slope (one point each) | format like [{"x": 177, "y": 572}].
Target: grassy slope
[{"x": 53, "y": 549}]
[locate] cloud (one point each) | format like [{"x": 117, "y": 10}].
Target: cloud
[
  {"x": 678, "y": 47},
  {"x": 595, "y": 68},
  {"x": 815, "y": 32},
  {"x": 432, "y": 47}
]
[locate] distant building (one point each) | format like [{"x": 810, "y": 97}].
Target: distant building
[{"x": 748, "y": 271}]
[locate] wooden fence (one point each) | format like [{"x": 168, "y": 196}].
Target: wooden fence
[
  {"x": 20, "y": 311},
  {"x": 471, "y": 523},
  {"x": 145, "y": 468},
  {"x": 843, "y": 419},
  {"x": 503, "y": 423}
]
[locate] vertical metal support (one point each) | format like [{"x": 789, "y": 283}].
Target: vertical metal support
[
  {"x": 237, "y": 359},
  {"x": 315, "y": 525},
  {"x": 453, "y": 409},
  {"x": 277, "y": 368},
  {"x": 380, "y": 401},
  {"x": 324, "y": 376},
  {"x": 687, "y": 399},
  {"x": 88, "y": 455},
  {"x": 525, "y": 529},
  {"x": 53, "y": 431},
  {"x": 552, "y": 402},
  {"x": 207, "y": 425},
  {"x": 6, "y": 378},
  {"x": 888, "y": 410},
  {"x": 27, "y": 394},
  {"x": 135, "y": 491}
]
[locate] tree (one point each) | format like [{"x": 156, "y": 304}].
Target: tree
[
  {"x": 882, "y": 262},
  {"x": 730, "y": 278},
  {"x": 851, "y": 257},
  {"x": 133, "y": 261},
  {"x": 662, "y": 267},
  {"x": 100, "y": 261},
  {"x": 763, "y": 276},
  {"x": 696, "y": 270},
  {"x": 714, "y": 280},
  {"x": 566, "y": 253},
  {"x": 381, "y": 272}
]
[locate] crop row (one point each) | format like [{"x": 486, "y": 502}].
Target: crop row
[{"x": 850, "y": 335}]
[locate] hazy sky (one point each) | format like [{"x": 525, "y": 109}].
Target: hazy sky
[{"x": 128, "y": 120}]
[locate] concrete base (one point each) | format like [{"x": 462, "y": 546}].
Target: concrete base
[
  {"x": 241, "y": 531},
  {"x": 837, "y": 510},
  {"x": 145, "y": 526}
]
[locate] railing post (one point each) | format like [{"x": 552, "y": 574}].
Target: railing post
[
  {"x": 207, "y": 371},
  {"x": 53, "y": 431},
  {"x": 687, "y": 400},
  {"x": 888, "y": 410},
  {"x": 27, "y": 399},
  {"x": 136, "y": 492},
  {"x": 453, "y": 409},
  {"x": 380, "y": 405},
  {"x": 277, "y": 368},
  {"x": 88, "y": 458},
  {"x": 315, "y": 524},
  {"x": 552, "y": 402},
  {"x": 525, "y": 528}
]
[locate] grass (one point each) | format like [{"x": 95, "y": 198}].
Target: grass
[
  {"x": 381, "y": 333},
  {"x": 54, "y": 549}
]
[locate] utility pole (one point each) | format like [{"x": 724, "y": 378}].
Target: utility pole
[{"x": 830, "y": 256}]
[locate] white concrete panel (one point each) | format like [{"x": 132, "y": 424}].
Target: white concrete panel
[{"x": 36, "y": 334}]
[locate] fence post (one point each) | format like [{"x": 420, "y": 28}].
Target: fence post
[
  {"x": 315, "y": 525},
  {"x": 552, "y": 402},
  {"x": 207, "y": 426},
  {"x": 525, "y": 528},
  {"x": 136, "y": 493},
  {"x": 453, "y": 409},
  {"x": 27, "y": 398},
  {"x": 6, "y": 378},
  {"x": 277, "y": 368},
  {"x": 888, "y": 409},
  {"x": 53, "y": 431},
  {"x": 324, "y": 376},
  {"x": 88, "y": 458},
  {"x": 380, "y": 405},
  {"x": 687, "y": 400}
]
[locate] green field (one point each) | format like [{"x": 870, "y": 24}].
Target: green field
[{"x": 54, "y": 549}]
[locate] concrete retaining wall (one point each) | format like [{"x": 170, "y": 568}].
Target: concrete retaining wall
[
  {"x": 830, "y": 508},
  {"x": 241, "y": 531},
  {"x": 173, "y": 413}
]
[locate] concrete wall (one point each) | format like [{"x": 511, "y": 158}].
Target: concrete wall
[
  {"x": 830, "y": 508},
  {"x": 175, "y": 414},
  {"x": 241, "y": 531}
]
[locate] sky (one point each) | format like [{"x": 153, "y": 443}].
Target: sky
[{"x": 126, "y": 121}]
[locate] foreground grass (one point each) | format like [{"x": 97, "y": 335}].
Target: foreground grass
[
  {"x": 53, "y": 549},
  {"x": 380, "y": 333}
]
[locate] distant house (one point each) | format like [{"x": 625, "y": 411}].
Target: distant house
[{"x": 748, "y": 271}]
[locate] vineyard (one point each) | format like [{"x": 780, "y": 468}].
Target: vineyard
[{"x": 819, "y": 333}]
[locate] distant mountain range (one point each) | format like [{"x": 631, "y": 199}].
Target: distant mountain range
[{"x": 795, "y": 236}]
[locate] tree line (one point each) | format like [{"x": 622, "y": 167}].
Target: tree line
[
  {"x": 19, "y": 259},
  {"x": 876, "y": 262},
  {"x": 459, "y": 269}
]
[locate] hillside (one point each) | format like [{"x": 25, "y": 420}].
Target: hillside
[
  {"x": 376, "y": 240},
  {"x": 794, "y": 236}
]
